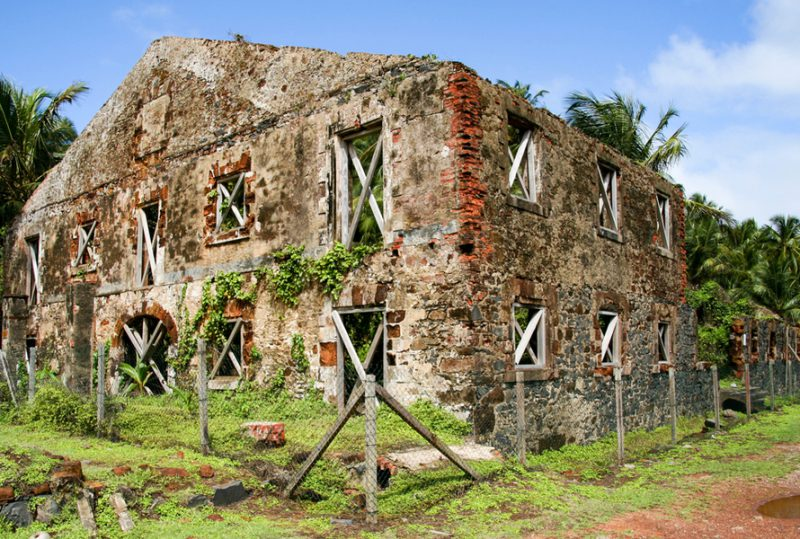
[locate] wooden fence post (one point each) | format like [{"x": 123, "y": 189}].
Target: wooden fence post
[
  {"x": 202, "y": 395},
  {"x": 673, "y": 405},
  {"x": 9, "y": 381},
  {"x": 370, "y": 450},
  {"x": 31, "y": 373},
  {"x": 620, "y": 422},
  {"x": 522, "y": 428},
  {"x": 715, "y": 393},
  {"x": 101, "y": 387},
  {"x": 747, "y": 402}
]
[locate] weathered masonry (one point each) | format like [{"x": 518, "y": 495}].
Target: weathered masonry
[{"x": 509, "y": 242}]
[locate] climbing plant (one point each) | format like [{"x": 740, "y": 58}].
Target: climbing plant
[{"x": 298, "y": 353}]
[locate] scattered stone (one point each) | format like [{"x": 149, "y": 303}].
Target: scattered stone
[
  {"x": 198, "y": 500},
  {"x": 342, "y": 521},
  {"x": 40, "y": 535},
  {"x": 629, "y": 466},
  {"x": 94, "y": 486},
  {"x": 179, "y": 454},
  {"x": 272, "y": 434},
  {"x": 121, "y": 470},
  {"x": 18, "y": 514},
  {"x": 121, "y": 509},
  {"x": 206, "y": 471},
  {"x": 441, "y": 534},
  {"x": 41, "y": 490},
  {"x": 710, "y": 424},
  {"x": 158, "y": 500},
  {"x": 728, "y": 413},
  {"x": 86, "y": 514},
  {"x": 229, "y": 493},
  {"x": 144, "y": 466},
  {"x": 6, "y": 494},
  {"x": 47, "y": 510},
  {"x": 215, "y": 517},
  {"x": 173, "y": 472},
  {"x": 127, "y": 493},
  {"x": 68, "y": 473}
]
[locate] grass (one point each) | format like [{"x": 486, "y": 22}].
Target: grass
[{"x": 569, "y": 491}]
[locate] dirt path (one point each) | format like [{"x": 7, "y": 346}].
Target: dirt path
[{"x": 732, "y": 512}]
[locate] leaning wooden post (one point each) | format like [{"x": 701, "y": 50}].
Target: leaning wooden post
[
  {"x": 620, "y": 422},
  {"x": 370, "y": 449},
  {"x": 772, "y": 384},
  {"x": 101, "y": 387},
  {"x": 202, "y": 394},
  {"x": 31, "y": 366},
  {"x": 673, "y": 405},
  {"x": 522, "y": 429},
  {"x": 9, "y": 381},
  {"x": 715, "y": 393},
  {"x": 747, "y": 402}
]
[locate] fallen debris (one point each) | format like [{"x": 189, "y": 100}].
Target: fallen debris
[
  {"x": 121, "y": 509},
  {"x": 18, "y": 514},
  {"x": 86, "y": 514},
  {"x": 271, "y": 434},
  {"x": 229, "y": 493}
]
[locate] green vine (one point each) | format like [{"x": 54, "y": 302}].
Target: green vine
[
  {"x": 298, "y": 353},
  {"x": 291, "y": 276}
]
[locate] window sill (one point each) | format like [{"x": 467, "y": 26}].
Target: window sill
[
  {"x": 609, "y": 234},
  {"x": 229, "y": 236},
  {"x": 526, "y": 205},
  {"x": 666, "y": 253},
  {"x": 606, "y": 370},
  {"x": 531, "y": 374},
  {"x": 659, "y": 368}
]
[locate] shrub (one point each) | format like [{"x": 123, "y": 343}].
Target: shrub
[{"x": 57, "y": 407}]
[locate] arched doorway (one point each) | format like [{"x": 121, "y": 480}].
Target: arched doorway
[{"x": 145, "y": 342}]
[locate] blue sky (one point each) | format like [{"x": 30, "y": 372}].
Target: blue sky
[{"x": 731, "y": 67}]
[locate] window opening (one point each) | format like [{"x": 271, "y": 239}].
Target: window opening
[
  {"x": 147, "y": 218},
  {"x": 362, "y": 334},
  {"x": 34, "y": 278},
  {"x": 364, "y": 221},
  {"x": 523, "y": 177},
  {"x": 529, "y": 343},
  {"x": 772, "y": 345},
  {"x": 231, "y": 209},
  {"x": 230, "y": 358},
  {"x": 663, "y": 221},
  {"x": 607, "y": 203},
  {"x": 664, "y": 343},
  {"x": 754, "y": 343},
  {"x": 609, "y": 347},
  {"x": 86, "y": 250},
  {"x": 146, "y": 342}
]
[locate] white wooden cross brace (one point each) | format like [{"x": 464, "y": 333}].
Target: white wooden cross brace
[
  {"x": 662, "y": 342},
  {"x": 145, "y": 345},
  {"x": 36, "y": 288},
  {"x": 606, "y": 185},
  {"x": 146, "y": 241},
  {"x": 227, "y": 352},
  {"x": 526, "y": 149},
  {"x": 525, "y": 338},
  {"x": 662, "y": 223},
  {"x": 605, "y": 349},
  {"x": 366, "y": 190},
  {"x": 222, "y": 195},
  {"x": 84, "y": 242},
  {"x": 361, "y": 368}
]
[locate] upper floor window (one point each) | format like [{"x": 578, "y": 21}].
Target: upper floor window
[
  {"x": 523, "y": 176},
  {"x": 361, "y": 186},
  {"x": 663, "y": 223},
  {"x": 610, "y": 344},
  {"x": 86, "y": 250},
  {"x": 34, "y": 273},
  {"x": 529, "y": 335},
  {"x": 231, "y": 208},
  {"x": 147, "y": 223},
  {"x": 607, "y": 203}
]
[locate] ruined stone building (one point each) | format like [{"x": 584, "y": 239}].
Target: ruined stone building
[{"x": 509, "y": 242}]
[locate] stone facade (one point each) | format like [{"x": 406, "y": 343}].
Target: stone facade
[{"x": 461, "y": 248}]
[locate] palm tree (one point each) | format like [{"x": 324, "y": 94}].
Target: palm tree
[
  {"x": 524, "y": 91},
  {"x": 33, "y": 138},
  {"x": 139, "y": 375},
  {"x": 619, "y": 122}
]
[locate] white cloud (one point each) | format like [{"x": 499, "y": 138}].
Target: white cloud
[{"x": 750, "y": 171}]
